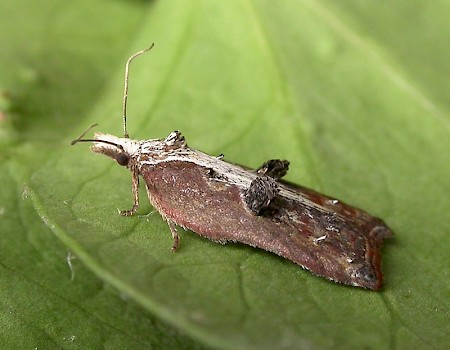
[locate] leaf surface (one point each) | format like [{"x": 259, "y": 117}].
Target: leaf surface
[{"x": 348, "y": 92}]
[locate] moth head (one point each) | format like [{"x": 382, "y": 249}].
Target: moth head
[{"x": 123, "y": 150}]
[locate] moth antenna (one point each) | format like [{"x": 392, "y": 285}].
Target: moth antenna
[
  {"x": 80, "y": 139},
  {"x": 125, "y": 90},
  {"x": 84, "y": 133}
]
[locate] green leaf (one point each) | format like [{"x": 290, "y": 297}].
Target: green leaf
[
  {"x": 352, "y": 93},
  {"x": 41, "y": 307},
  {"x": 45, "y": 305}
]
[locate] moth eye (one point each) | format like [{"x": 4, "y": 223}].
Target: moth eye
[{"x": 122, "y": 159}]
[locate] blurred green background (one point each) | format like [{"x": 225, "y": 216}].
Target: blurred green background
[{"x": 353, "y": 93}]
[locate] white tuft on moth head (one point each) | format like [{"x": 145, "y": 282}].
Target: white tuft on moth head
[
  {"x": 120, "y": 149},
  {"x": 115, "y": 144}
]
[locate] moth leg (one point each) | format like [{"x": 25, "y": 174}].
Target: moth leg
[
  {"x": 260, "y": 193},
  {"x": 135, "y": 190},
  {"x": 176, "y": 238},
  {"x": 275, "y": 168}
]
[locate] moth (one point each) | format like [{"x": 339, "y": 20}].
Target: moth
[{"x": 226, "y": 202}]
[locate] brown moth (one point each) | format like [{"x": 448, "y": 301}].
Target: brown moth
[{"x": 227, "y": 202}]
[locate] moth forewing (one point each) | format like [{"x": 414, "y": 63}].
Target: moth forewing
[{"x": 296, "y": 224}]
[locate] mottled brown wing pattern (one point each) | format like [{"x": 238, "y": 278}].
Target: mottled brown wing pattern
[{"x": 341, "y": 244}]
